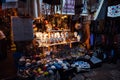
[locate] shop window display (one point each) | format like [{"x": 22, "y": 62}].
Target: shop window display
[{"x": 58, "y": 51}]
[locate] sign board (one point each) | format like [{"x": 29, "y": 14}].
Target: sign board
[{"x": 22, "y": 28}]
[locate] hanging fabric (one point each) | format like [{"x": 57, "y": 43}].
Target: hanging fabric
[
  {"x": 52, "y": 2},
  {"x": 91, "y": 39}
]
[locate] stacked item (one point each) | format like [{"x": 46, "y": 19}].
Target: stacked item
[
  {"x": 81, "y": 66},
  {"x": 31, "y": 68},
  {"x": 40, "y": 69}
]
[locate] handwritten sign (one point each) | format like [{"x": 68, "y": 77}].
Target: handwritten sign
[{"x": 22, "y": 29}]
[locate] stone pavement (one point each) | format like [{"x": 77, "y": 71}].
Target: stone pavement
[
  {"x": 7, "y": 68},
  {"x": 105, "y": 72}
]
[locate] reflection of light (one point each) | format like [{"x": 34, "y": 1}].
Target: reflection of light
[
  {"x": 38, "y": 18},
  {"x": 98, "y": 10},
  {"x": 34, "y": 25},
  {"x": 36, "y": 11},
  {"x": 63, "y": 17},
  {"x": 84, "y": 14}
]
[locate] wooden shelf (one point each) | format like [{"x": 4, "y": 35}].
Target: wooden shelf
[
  {"x": 59, "y": 30},
  {"x": 48, "y": 45}
]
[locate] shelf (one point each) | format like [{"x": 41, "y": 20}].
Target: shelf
[
  {"x": 48, "y": 45},
  {"x": 59, "y": 30}
]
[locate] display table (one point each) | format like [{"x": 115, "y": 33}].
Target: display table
[{"x": 52, "y": 70}]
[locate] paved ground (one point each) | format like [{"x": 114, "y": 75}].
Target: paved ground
[
  {"x": 7, "y": 68},
  {"x": 105, "y": 72}
]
